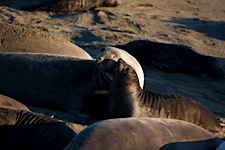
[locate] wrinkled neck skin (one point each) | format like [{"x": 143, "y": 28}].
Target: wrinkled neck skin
[{"x": 123, "y": 93}]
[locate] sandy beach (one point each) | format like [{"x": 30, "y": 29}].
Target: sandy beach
[{"x": 198, "y": 24}]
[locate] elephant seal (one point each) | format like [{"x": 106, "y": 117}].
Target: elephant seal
[
  {"x": 221, "y": 146},
  {"x": 128, "y": 99},
  {"x": 144, "y": 133},
  {"x": 58, "y": 82},
  {"x": 21, "y": 38},
  {"x": 64, "y": 6},
  {"x": 113, "y": 53},
  {"x": 7, "y": 102},
  {"x": 173, "y": 58},
  {"x": 22, "y": 129}
]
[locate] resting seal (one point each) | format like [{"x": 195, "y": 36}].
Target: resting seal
[
  {"x": 144, "y": 133},
  {"x": 21, "y": 38},
  {"x": 173, "y": 58},
  {"x": 113, "y": 53},
  {"x": 22, "y": 129},
  {"x": 7, "y": 102},
  {"x": 59, "y": 82},
  {"x": 60, "y": 5},
  {"x": 128, "y": 99}
]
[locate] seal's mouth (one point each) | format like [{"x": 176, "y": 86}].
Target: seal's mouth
[
  {"x": 107, "y": 68},
  {"x": 106, "y": 65}
]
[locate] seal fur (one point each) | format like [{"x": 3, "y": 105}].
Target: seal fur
[
  {"x": 128, "y": 99},
  {"x": 22, "y": 129},
  {"x": 174, "y": 58}
]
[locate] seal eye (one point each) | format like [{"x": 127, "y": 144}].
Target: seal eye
[
  {"x": 127, "y": 69},
  {"x": 103, "y": 49}
]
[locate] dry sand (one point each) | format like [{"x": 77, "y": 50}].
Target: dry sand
[{"x": 199, "y": 24}]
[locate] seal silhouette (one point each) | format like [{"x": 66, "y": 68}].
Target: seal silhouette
[
  {"x": 144, "y": 133},
  {"x": 21, "y": 38},
  {"x": 28, "y": 130},
  {"x": 128, "y": 99},
  {"x": 7, "y": 102},
  {"x": 110, "y": 53},
  {"x": 61, "y": 5},
  {"x": 173, "y": 58},
  {"x": 52, "y": 81}
]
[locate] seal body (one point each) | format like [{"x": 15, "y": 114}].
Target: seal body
[
  {"x": 69, "y": 5},
  {"x": 21, "y": 38},
  {"x": 144, "y": 133},
  {"x": 128, "y": 99},
  {"x": 173, "y": 58},
  {"x": 22, "y": 129},
  {"x": 113, "y": 53},
  {"x": 7, "y": 102},
  {"x": 57, "y": 82}
]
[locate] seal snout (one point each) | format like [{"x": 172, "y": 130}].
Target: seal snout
[
  {"x": 123, "y": 68},
  {"x": 120, "y": 65},
  {"x": 99, "y": 60}
]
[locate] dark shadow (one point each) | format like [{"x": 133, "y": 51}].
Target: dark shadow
[
  {"x": 63, "y": 15},
  {"x": 213, "y": 29},
  {"x": 210, "y": 144}
]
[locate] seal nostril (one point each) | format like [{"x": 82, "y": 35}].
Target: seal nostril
[{"x": 99, "y": 60}]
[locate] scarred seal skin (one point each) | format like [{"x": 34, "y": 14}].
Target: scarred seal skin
[
  {"x": 22, "y": 129},
  {"x": 144, "y": 133},
  {"x": 128, "y": 99}
]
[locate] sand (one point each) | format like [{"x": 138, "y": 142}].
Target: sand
[{"x": 199, "y": 24}]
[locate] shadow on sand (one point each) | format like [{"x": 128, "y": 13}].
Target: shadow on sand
[{"x": 213, "y": 29}]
